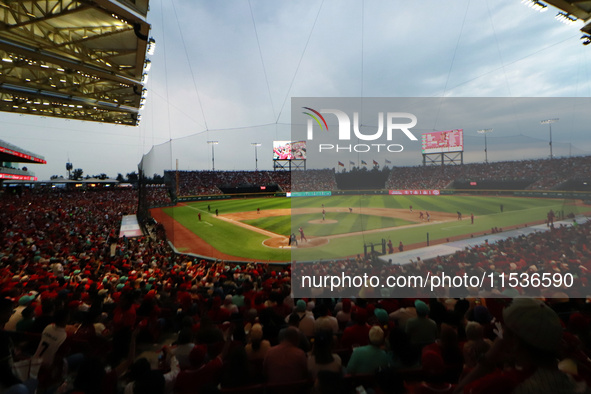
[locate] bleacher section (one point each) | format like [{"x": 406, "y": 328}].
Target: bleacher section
[
  {"x": 144, "y": 294},
  {"x": 512, "y": 175},
  {"x": 557, "y": 174}
]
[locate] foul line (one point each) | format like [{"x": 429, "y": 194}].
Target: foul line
[
  {"x": 240, "y": 224},
  {"x": 201, "y": 221},
  {"x": 252, "y": 228},
  {"x": 198, "y": 209}
]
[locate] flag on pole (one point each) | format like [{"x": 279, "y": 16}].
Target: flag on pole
[
  {"x": 388, "y": 161},
  {"x": 341, "y": 164},
  {"x": 352, "y": 163},
  {"x": 375, "y": 163},
  {"x": 363, "y": 162}
]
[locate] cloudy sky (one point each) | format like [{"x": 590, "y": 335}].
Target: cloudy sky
[{"x": 227, "y": 71}]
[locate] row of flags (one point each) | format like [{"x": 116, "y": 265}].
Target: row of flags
[{"x": 363, "y": 162}]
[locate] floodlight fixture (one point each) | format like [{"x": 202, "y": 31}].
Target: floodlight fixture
[
  {"x": 566, "y": 18},
  {"x": 151, "y": 46},
  {"x": 535, "y": 5}
]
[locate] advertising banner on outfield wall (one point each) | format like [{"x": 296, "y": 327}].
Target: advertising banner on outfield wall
[
  {"x": 420, "y": 240},
  {"x": 414, "y": 192}
]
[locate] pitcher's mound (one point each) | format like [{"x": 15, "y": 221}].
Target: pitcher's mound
[{"x": 320, "y": 221}]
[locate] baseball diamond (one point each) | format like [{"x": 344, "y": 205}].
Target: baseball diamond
[{"x": 264, "y": 235}]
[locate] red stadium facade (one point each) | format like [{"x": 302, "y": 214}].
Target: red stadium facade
[{"x": 10, "y": 155}]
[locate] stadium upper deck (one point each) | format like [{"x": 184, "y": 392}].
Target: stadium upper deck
[{"x": 10, "y": 154}]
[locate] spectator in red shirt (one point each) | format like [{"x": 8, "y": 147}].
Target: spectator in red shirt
[
  {"x": 286, "y": 362},
  {"x": 358, "y": 333}
]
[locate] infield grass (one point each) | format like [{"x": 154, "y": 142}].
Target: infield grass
[{"x": 345, "y": 223}]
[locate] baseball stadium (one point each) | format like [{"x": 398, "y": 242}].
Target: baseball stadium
[
  {"x": 446, "y": 252},
  {"x": 351, "y": 221}
]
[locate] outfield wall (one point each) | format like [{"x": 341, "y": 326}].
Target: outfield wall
[
  {"x": 515, "y": 193},
  {"x": 228, "y": 196},
  {"x": 523, "y": 193}
]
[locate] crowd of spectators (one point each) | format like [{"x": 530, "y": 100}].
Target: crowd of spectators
[
  {"x": 563, "y": 249},
  {"x": 83, "y": 301},
  {"x": 422, "y": 177},
  {"x": 193, "y": 183},
  {"x": 310, "y": 180},
  {"x": 535, "y": 174},
  {"x": 540, "y": 174},
  {"x": 209, "y": 182},
  {"x": 283, "y": 179},
  {"x": 157, "y": 195}
]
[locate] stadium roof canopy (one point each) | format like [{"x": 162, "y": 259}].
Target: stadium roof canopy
[
  {"x": 580, "y": 9},
  {"x": 74, "y": 59}
]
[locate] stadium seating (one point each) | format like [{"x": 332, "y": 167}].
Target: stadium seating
[{"x": 55, "y": 253}]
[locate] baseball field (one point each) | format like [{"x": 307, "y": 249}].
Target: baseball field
[{"x": 259, "y": 228}]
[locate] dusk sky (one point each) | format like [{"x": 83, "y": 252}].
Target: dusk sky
[{"x": 227, "y": 71}]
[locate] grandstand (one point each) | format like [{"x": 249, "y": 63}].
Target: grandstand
[
  {"x": 563, "y": 174},
  {"x": 63, "y": 251},
  {"x": 119, "y": 288},
  {"x": 548, "y": 174}
]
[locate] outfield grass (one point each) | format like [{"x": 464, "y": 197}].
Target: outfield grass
[
  {"x": 242, "y": 204},
  {"x": 275, "y": 224},
  {"x": 241, "y": 242},
  {"x": 345, "y": 223},
  {"x": 479, "y": 205}
]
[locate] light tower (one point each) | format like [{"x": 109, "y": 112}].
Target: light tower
[
  {"x": 485, "y": 132},
  {"x": 549, "y": 123},
  {"x": 256, "y": 158},
  {"x": 213, "y": 144}
]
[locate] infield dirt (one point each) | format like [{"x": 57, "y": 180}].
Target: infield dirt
[{"x": 281, "y": 241}]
